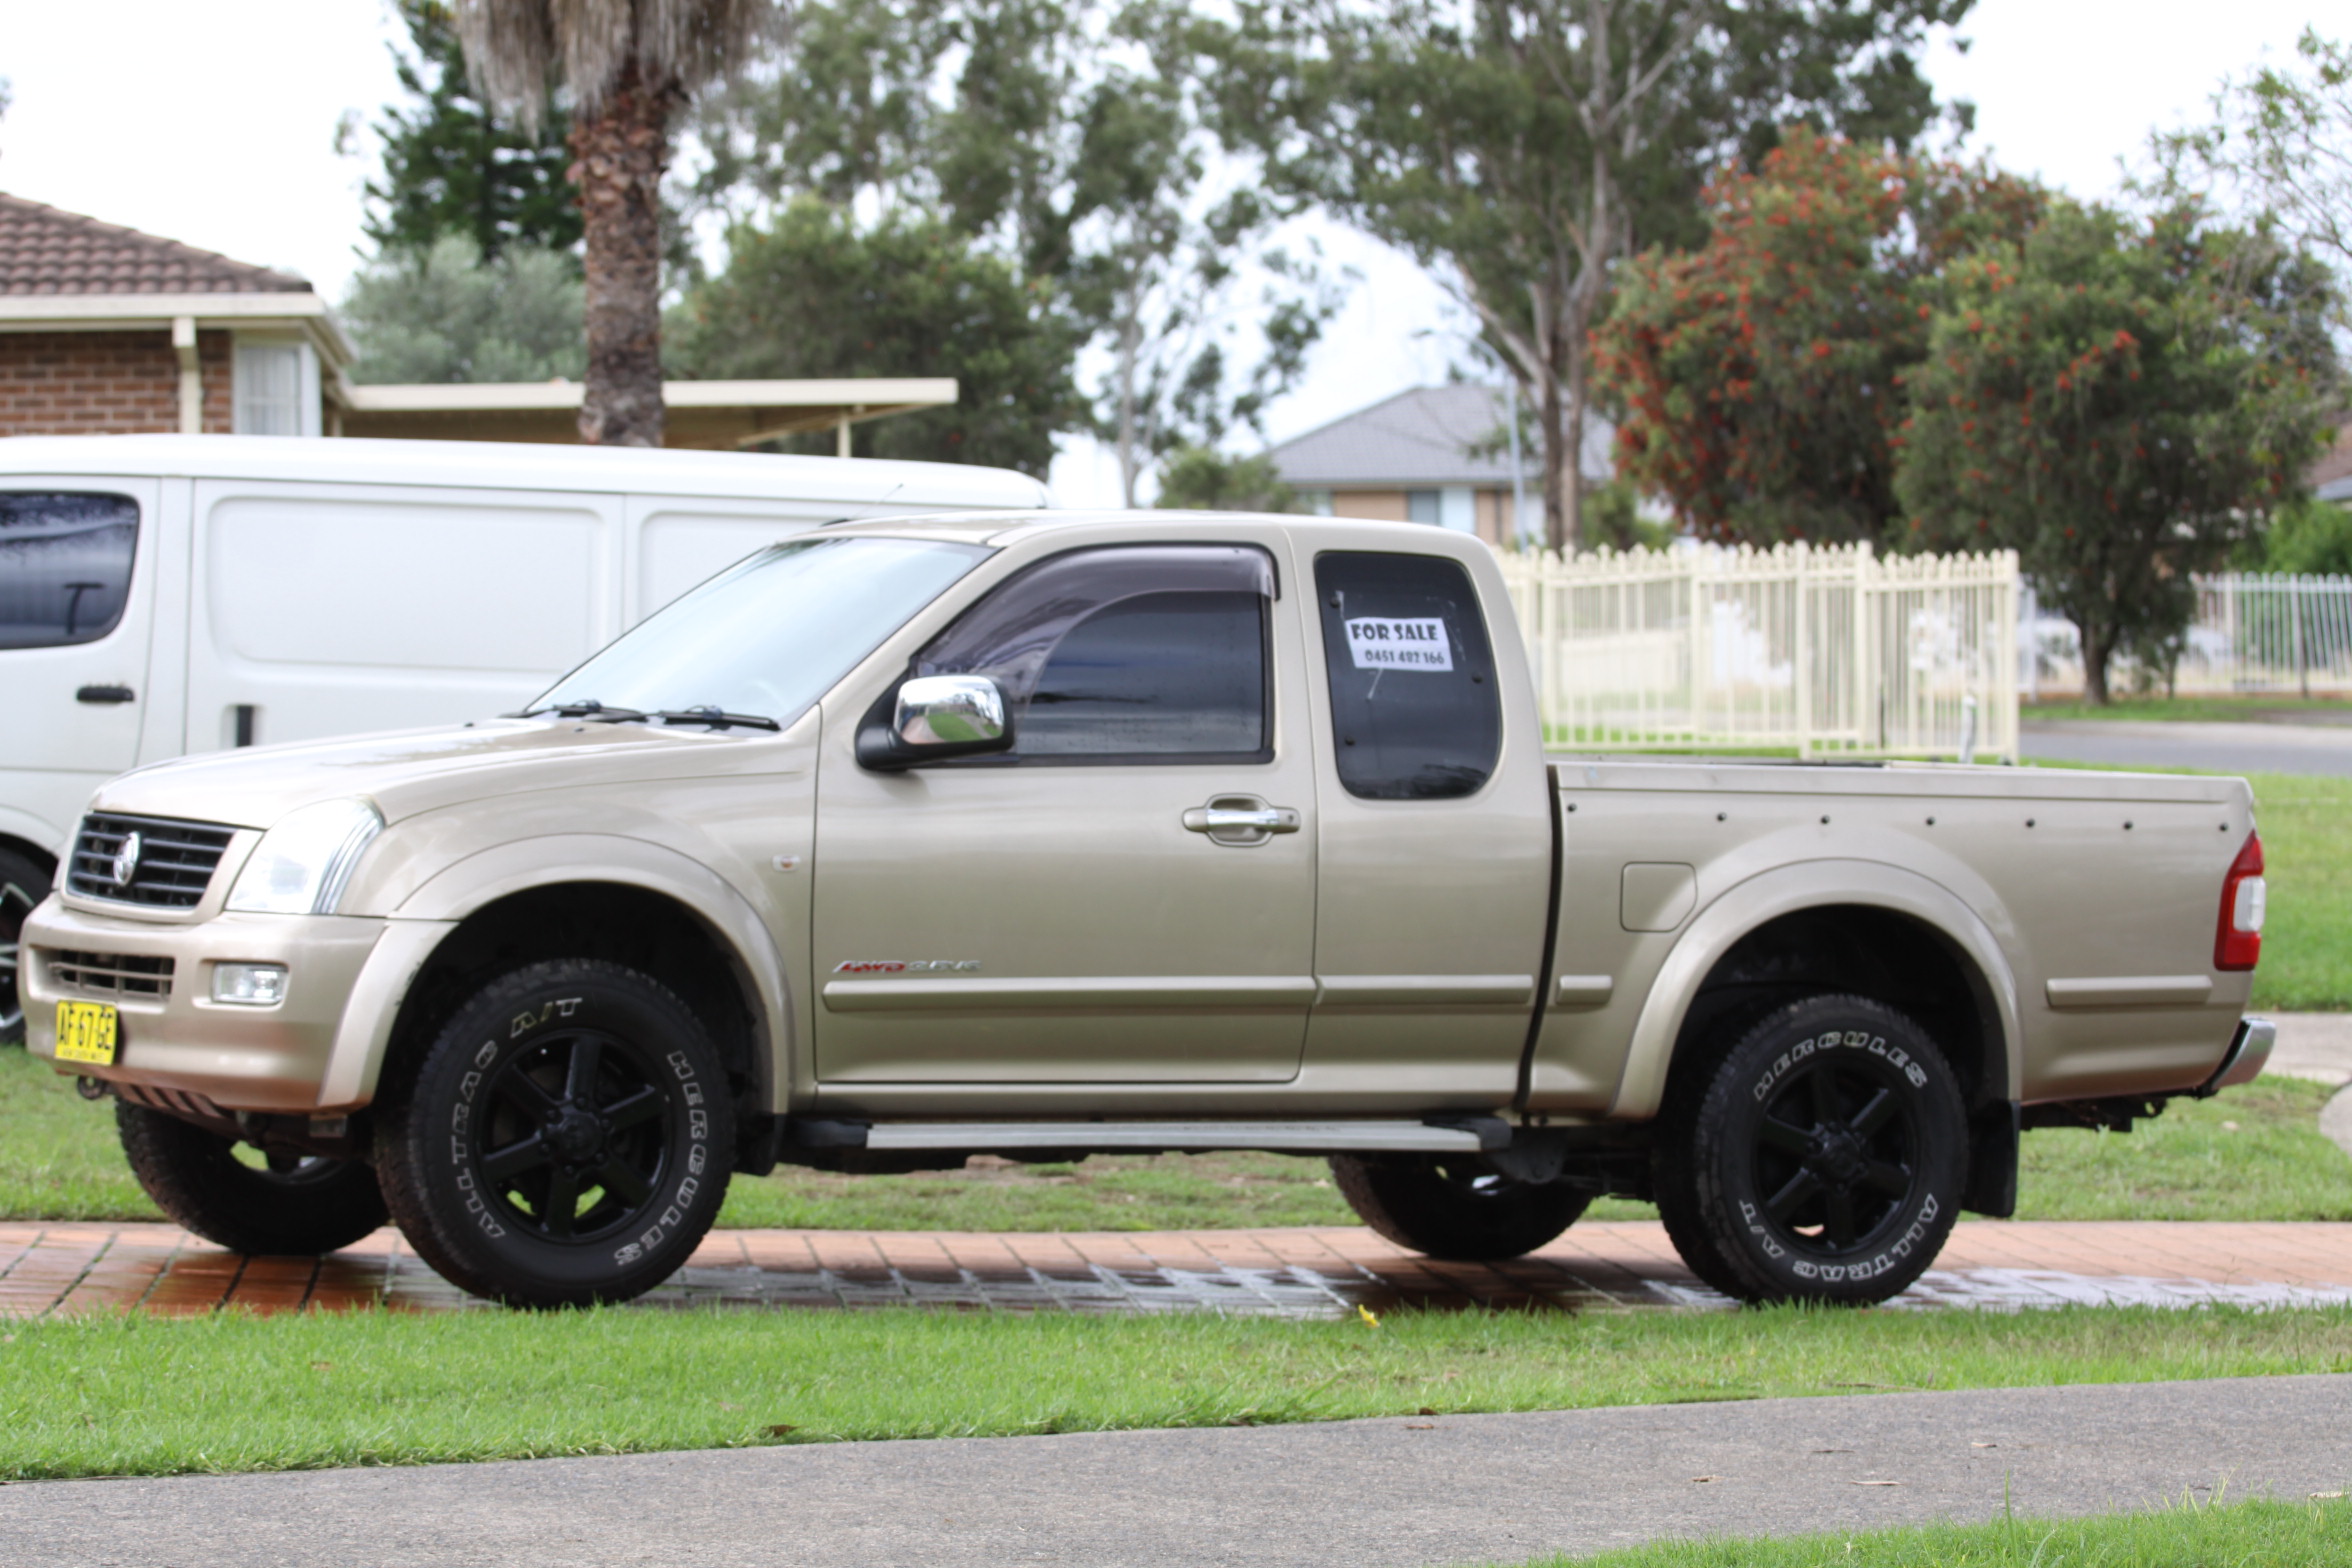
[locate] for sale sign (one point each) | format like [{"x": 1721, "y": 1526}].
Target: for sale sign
[{"x": 1380, "y": 644}]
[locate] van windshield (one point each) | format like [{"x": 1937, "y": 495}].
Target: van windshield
[{"x": 771, "y": 634}]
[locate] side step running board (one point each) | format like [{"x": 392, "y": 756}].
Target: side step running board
[{"x": 1466, "y": 1135}]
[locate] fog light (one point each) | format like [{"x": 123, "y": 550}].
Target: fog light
[{"x": 249, "y": 985}]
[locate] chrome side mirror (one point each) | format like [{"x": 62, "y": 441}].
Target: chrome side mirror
[
  {"x": 934, "y": 717},
  {"x": 948, "y": 710}
]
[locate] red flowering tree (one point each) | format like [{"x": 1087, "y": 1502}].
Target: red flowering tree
[
  {"x": 1757, "y": 378},
  {"x": 2122, "y": 401}
]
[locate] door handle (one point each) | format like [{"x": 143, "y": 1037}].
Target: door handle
[
  {"x": 105, "y": 694},
  {"x": 1239, "y": 821}
]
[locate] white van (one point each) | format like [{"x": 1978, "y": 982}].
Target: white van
[{"x": 169, "y": 594}]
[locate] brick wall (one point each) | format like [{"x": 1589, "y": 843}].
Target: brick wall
[{"x": 106, "y": 383}]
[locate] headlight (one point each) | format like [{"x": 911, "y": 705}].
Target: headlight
[{"x": 300, "y": 866}]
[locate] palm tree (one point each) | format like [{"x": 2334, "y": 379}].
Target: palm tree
[{"x": 630, "y": 66}]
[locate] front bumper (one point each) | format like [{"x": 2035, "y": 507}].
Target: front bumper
[
  {"x": 240, "y": 1058},
  {"x": 2248, "y": 1054}
]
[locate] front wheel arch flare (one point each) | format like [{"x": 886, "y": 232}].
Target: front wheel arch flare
[{"x": 478, "y": 885}]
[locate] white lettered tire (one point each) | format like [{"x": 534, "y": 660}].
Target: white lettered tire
[
  {"x": 1822, "y": 1158},
  {"x": 566, "y": 1139}
]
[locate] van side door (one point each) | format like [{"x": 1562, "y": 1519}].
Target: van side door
[{"x": 336, "y": 609}]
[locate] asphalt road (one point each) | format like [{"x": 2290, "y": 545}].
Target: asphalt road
[
  {"x": 1409, "y": 1492},
  {"x": 2227, "y": 748}
]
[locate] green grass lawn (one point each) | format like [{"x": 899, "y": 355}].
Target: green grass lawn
[
  {"x": 135, "y": 1395},
  {"x": 2274, "y": 1534},
  {"x": 2252, "y": 1153}
]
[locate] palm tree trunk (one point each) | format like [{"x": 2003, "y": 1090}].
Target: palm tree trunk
[{"x": 619, "y": 154}]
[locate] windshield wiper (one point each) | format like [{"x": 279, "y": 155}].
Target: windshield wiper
[
  {"x": 716, "y": 718},
  {"x": 582, "y": 710}
]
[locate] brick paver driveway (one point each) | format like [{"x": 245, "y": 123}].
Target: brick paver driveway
[{"x": 73, "y": 1268}]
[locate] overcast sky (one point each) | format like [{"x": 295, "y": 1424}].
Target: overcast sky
[{"x": 215, "y": 124}]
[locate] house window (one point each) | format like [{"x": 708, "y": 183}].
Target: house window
[
  {"x": 1424, "y": 506},
  {"x": 1457, "y": 508},
  {"x": 276, "y": 390}
]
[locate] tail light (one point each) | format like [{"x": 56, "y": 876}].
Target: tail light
[{"x": 2237, "y": 940}]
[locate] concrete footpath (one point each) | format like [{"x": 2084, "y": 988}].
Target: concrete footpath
[{"x": 1413, "y": 1493}]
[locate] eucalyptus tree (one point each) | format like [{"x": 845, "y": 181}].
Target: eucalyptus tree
[
  {"x": 1064, "y": 138},
  {"x": 1520, "y": 148},
  {"x": 627, "y": 68}
]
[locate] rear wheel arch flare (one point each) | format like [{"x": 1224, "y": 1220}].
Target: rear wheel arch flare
[
  {"x": 1869, "y": 895},
  {"x": 1861, "y": 949}
]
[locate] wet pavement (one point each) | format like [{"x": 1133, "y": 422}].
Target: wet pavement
[{"x": 70, "y": 1269}]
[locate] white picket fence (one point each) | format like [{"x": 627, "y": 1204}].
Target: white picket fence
[
  {"x": 2253, "y": 632},
  {"x": 1823, "y": 652}
]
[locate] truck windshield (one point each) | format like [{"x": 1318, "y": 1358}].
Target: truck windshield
[{"x": 771, "y": 634}]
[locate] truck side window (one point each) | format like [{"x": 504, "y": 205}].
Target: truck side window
[
  {"x": 1413, "y": 703},
  {"x": 1133, "y": 653},
  {"x": 65, "y": 566}
]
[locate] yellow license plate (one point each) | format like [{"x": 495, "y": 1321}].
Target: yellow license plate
[{"x": 87, "y": 1032}]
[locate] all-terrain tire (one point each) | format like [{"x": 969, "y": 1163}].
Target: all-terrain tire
[
  {"x": 566, "y": 1139},
  {"x": 22, "y": 885},
  {"x": 292, "y": 1207},
  {"x": 1821, "y": 1158},
  {"x": 1444, "y": 1206}
]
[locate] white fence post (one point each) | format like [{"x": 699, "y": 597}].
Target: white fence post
[{"x": 1797, "y": 648}]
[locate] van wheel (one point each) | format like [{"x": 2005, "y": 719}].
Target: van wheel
[
  {"x": 565, "y": 1140},
  {"x": 22, "y": 885},
  {"x": 1822, "y": 1159},
  {"x": 1445, "y": 1206},
  {"x": 247, "y": 1201}
]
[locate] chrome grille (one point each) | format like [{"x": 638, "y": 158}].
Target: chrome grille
[
  {"x": 176, "y": 860},
  {"x": 112, "y": 974}
]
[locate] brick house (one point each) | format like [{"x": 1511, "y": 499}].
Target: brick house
[
  {"x": 105, "y": 330},
  {"x": 1429, "y": 455},
  {"x": 108, "y": 331}
]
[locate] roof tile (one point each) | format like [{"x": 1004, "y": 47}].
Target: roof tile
[{"x": 48, "y": 251}]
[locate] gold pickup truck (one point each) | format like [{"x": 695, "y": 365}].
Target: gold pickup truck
[{"x": 1042, "y": 836}]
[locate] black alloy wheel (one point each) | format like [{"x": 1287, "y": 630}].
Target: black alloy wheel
[
  {"x": 1454, "y": 1206},
  {"x": 23, "y": 884},
  {"x": 569, "y": 1136},
  {"x": 1823, "y": 1160},
  {"x": 565, "y": 1140}
]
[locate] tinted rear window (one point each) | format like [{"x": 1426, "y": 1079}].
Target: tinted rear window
[{"x": 1412, "y": 675}]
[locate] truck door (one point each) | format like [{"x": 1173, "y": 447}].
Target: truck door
[
  {"x": 77, "y": 608},
  {"x": 1435, "y": 835},
  {"x": 1129, "y": 896}
]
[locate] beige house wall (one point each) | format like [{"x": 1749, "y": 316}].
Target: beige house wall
[
  {"x": 1377, "y": 506},
  {"x": 1491, "y": 507}
]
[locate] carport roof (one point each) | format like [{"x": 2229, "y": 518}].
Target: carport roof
[{"x": 720, "y": 415}]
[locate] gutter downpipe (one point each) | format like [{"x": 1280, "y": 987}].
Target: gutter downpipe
[{"x": 183, "y": 332}]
